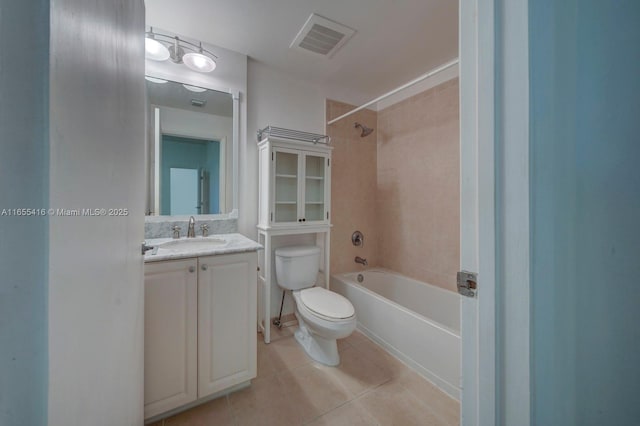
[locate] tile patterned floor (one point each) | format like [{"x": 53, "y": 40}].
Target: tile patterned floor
[{"x": 370, "y": 387}]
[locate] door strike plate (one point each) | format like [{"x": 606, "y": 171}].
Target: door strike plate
[{"x": 467, "y": 283}]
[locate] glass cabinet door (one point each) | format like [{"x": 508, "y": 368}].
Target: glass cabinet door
[
  {"x": 286, "y": 187},
  {"x": 314, "y": 184}
]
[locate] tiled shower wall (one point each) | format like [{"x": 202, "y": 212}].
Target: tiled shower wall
[
  {"x": 418, "y": 191},
  {"x": 401, "y": 189},
  {"x": 353, "y": 188}
]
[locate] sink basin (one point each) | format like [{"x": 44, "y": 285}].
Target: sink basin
[{"x": 190, "y": 244}]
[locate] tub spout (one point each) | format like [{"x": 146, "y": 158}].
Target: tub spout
[{"x": 361, "y": 261}]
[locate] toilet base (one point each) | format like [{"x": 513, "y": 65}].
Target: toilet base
[{"x": 324, "y": 351}]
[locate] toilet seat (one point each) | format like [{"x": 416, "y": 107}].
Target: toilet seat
[{"x": 326, "y": 304}]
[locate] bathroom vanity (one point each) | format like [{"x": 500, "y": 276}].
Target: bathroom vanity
[{"x": 200, "y": 320}]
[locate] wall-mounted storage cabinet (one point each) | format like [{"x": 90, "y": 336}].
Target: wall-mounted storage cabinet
[
  {"x": 200, "y": 316},
  {"x": 295, "y": 183},
  {"x": 294, "y": 199}
]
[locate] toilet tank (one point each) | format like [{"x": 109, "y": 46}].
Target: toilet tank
[{"x": 297, "y": 266}]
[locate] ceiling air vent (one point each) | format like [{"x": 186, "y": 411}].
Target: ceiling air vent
[{"x": 322, "y": 36}]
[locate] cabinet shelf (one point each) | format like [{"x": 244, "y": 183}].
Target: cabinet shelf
[
  {"x": 280, "y": 175},
  {"x": 314, "y": 202},
  {"x": 287, "y": 202},
  {"x": 315, "y": 177}
]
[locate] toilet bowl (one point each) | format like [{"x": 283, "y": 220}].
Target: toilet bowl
[{"x": 323, "y": 316}]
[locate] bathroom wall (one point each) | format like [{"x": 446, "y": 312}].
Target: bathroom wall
[
  {"x": 353, "y": 188},
  {"x": 418, "y": 186},
  {"x": 24, "y": 170}
]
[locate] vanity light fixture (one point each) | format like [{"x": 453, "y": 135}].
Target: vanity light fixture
[
  {"x": 198, "y": 61},
  {"x": 155, "y": 50},
  {"x": 160, "y": 47}
]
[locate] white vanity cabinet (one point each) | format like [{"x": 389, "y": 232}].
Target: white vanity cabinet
[
  {"x": 295, "y": 183},
  {"x": 227, "y": 309},
  {"x": 200, "y": 332},
  {"x": 170, "y": 335}
]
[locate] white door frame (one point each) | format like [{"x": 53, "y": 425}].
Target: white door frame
[
  {"x": 477, "y": 211},
  {"x": 495, "y": 233}
]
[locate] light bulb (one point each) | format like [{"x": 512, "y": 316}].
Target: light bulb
[
  {"x": 199, "y": 62},
  {"x": 155, "y": 50}
]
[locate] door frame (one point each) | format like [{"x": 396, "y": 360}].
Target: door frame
[
  {"x": 477, "y": 211},
  {"x": 495, "y": 230}
]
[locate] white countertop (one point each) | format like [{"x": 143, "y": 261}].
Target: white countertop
[{"x": 233, "y": 243}]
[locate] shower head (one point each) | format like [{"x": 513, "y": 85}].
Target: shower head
[{"x": 366, "y": 131}]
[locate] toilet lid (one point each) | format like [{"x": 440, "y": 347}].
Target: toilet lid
[{"x": 326, "y": 303}]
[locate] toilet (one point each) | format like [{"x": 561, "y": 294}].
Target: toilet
[{"x": 323, "y": 316}]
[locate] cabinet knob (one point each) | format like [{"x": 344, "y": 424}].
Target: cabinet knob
[
  {"x": 304, "y": 220},
  {"x": 192, "y": 268},
  {"x": 204, "y": 267}
]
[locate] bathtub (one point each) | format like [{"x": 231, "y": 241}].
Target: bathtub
[{"x": 416, "y": 322}]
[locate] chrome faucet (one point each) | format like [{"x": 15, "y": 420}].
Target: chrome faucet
[
  {"x": 191, "y": 231},
  {"x": 361, "y": 261}
]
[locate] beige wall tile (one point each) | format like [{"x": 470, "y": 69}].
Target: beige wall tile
[
  {"x": 418, "y": 194},
  {"x": 353, "y": 188}
]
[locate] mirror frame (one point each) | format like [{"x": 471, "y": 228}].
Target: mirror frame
[{"x": 235, "y": 95}]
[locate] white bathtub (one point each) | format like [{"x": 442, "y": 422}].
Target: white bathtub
[{"x": 417, "y": 322}]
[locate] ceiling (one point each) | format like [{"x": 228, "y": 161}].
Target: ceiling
[{"x": 395, "y": 40}]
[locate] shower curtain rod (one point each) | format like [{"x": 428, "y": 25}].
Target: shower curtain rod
[{"x": 396, "y": 90}]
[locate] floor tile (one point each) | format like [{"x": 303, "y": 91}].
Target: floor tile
[
  {"x": 355, "y": 338},
  {"x": 391, "y": 404},
  {"x": 267, "y": 403},
  {"x": 321, "y": 391},
  {"x": 442, "y": 405},
  {"x": 369, "y": 387},
  {"x": 216, "y": 412},
  {"x": 381, "y": 358},
  {"x": 287, "y": 354},
  {"x": 350, "y": 414},
  {"x": 357, "y": 373}
]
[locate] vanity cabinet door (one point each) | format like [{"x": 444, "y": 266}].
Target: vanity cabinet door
[
  {"x": 170, "y": 340},
  {"x": 227, "y": 308}
]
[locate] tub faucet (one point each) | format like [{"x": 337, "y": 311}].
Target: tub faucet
[
  {"x": 361, "y": 261},
  {"x": 191, "y": 231}
]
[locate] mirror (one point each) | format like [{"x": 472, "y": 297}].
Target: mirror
[{"x": 192, "y": 150}]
